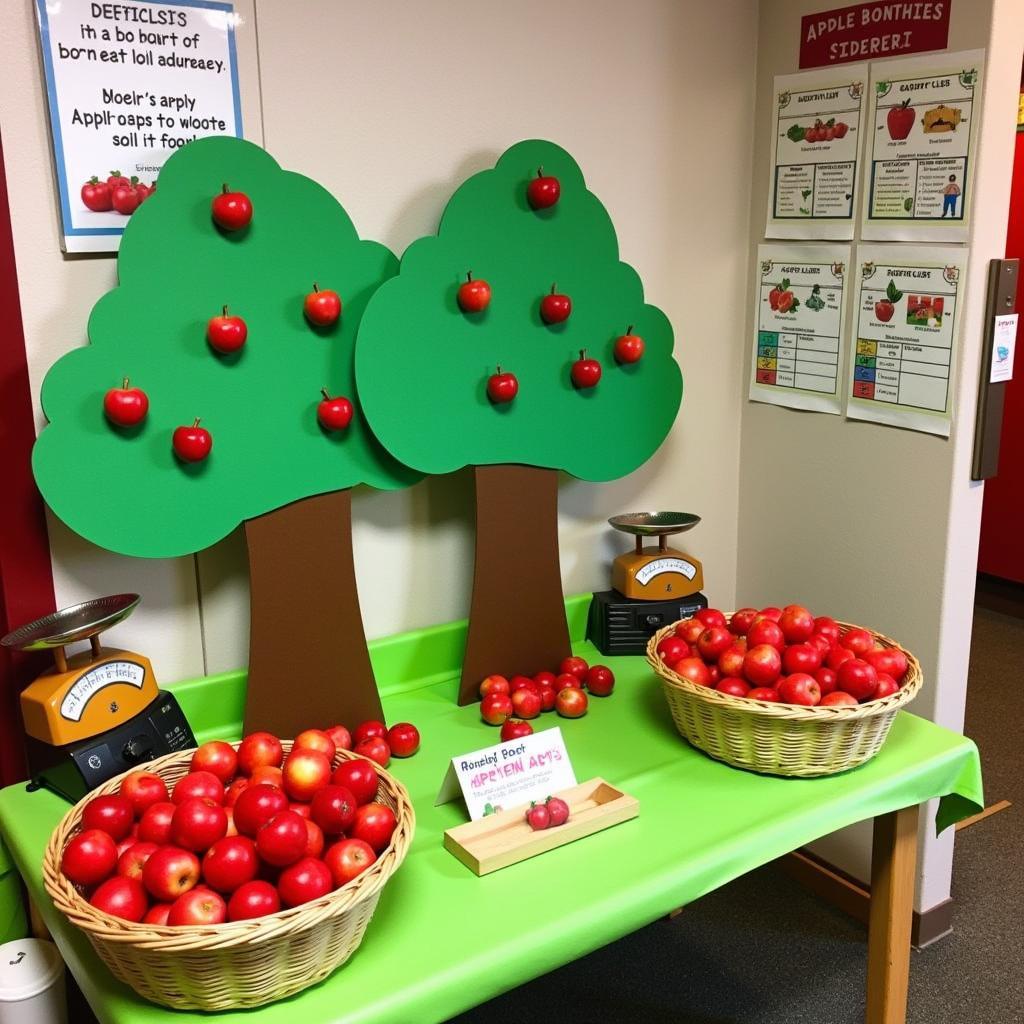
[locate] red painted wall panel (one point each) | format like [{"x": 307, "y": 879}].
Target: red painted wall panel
[
  {"x": 26, "y": 580},
  {"x": 1001, "y": 552}
]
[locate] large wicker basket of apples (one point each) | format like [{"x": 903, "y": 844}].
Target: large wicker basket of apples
[
  {"x": 233, "y": 875},
  {"x": 780, "y": 691}
]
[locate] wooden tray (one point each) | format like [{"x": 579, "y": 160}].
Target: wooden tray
[{"x": 504, "y": 838}]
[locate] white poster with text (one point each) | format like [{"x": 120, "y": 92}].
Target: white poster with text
[
  {"x": 816, "y": 134},
  {"x": 128, "y": 84},
  {"x": 903, "y": 350},
  {"x": 799, "y": 312},
  {"x": 924, "y": 120}
]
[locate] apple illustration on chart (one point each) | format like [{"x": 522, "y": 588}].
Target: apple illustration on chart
[
  {"x": 884, "y": 310},
  {"x": 900, "y": 120}
]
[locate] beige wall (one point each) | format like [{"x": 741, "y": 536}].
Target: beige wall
[
  {"x": 410, "y": 99},
  {"x": 391, "y": 105},
  {"x": 870, "y": 523}
]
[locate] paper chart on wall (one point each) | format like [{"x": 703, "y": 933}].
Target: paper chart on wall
[
  {"x": 923, "y": 123},
  {"x": 799, "y": 313},
  {"x": 817, "y": 119},
  {"x": 903, "y": 349}
]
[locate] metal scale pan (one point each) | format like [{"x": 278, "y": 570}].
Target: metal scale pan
[{"x": 654, "y": 524}]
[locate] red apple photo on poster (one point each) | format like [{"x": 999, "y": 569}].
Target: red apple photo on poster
[{"x": 868, "y": 31}]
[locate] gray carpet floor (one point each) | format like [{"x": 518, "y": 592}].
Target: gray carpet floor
[{"x": 764, "y": 951}]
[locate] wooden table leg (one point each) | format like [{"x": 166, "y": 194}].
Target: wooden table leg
[{"x": 893, "y": 857}]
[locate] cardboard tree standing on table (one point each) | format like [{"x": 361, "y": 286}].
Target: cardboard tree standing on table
[
  {"x": 273, "y": 464},
  {"x": 485, "y": 299}
]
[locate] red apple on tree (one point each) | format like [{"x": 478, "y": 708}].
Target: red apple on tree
[
  {"x": 555, "y": 307},
  {"x": 334, "y": 413},
  {"x": 192, "y": 444},
  {"x": 502, "y": 387},
  {"x": 629, "y": 347},
  {"x": 543, "y": 191},
  {"x": 474, "y": 296},
  {"x": 322, "y": 308},
  {"x": 585, "y": 372},
  {"x": 231, "y": 211},
  {"x": 226, "y": 333},
  {"x": 125, "y": 406}
]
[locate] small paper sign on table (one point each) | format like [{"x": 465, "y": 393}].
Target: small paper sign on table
[{"x": 509, "y": 774}]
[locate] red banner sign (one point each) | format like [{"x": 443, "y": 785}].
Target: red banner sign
[{"x": 882, "y": 28}]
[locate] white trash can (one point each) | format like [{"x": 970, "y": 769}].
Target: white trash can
[{"x": 32, "y": 983}]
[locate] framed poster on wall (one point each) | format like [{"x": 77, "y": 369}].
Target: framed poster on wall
[
  {"x": 923, "y": 124},
  {"x": 816, "y": 144},
  {"x": 127, "y": 85}
]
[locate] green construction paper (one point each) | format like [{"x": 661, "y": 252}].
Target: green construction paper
[
  {"x": 125, "y": 490},
  {"x": 701, "y": 825},
  {"x": 423, "y": 364}
]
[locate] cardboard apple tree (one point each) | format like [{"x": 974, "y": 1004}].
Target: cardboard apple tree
[
  {"x": 270, "y": 450},
  {"x": 507, "y": 342}
]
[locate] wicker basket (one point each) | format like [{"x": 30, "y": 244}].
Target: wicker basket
[
  {"x": 236, "y": 964},
  {"x": 782, "y": 739}
]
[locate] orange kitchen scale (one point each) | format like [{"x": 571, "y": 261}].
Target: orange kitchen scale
[
  {"x": 652, "y": 584},
  {"x": 98, "y": 712}
]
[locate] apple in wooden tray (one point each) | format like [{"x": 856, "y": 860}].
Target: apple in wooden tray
[
  {"x": 783, "y": 655},
  {"x": 206, "y": 852},
  {"x": 565, "y": 689}
]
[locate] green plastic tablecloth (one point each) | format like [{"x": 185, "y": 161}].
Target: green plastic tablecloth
[{"x": 443, "y": 940}]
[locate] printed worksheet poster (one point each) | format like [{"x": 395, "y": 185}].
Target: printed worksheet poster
[
  {"x": 924, "y": 121},
  {"x": 799, "y": 312},
  {"x": 903, "y": 349},
  {"x": 816, "y": 133}
]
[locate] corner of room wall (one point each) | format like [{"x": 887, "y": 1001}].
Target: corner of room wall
[{"x": 901, "y": 558}]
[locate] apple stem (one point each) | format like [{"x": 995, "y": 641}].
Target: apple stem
[
  {"x": 540, "y": 172},
  {"x": 583, "y": 353},
  {"x": 324, "y": 392},
  {"x": 224, "y": 310},
  {"x": 195, "y": 422},
  {"x": 316, "y": 287},
  {"x": 124, "y": 383},
  {"x": 224, "y": 188},
  {"x": 553, "y": 287},
  {"x": 469, "y": 275},
  {"x": 629, "y": 329},
  {"x": 499, "y": 368}
]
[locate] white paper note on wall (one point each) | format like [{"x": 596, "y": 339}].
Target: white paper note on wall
[{"x": 1004, "y": 344}]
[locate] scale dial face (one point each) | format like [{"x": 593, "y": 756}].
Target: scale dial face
[
  {"x": 90, "y": 682},
  {"x": 658, "y": 566}
]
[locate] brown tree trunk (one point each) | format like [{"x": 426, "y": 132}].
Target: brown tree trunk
[
  {"x": 308, "y": 662},
  {"x": 517, "y": 616}
]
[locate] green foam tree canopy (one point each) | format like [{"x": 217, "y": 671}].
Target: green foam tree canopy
[
  {"x": 272, "y": 466},
  {"x": 423, "y": 366},
  {"x": 124, "y": 489}
]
